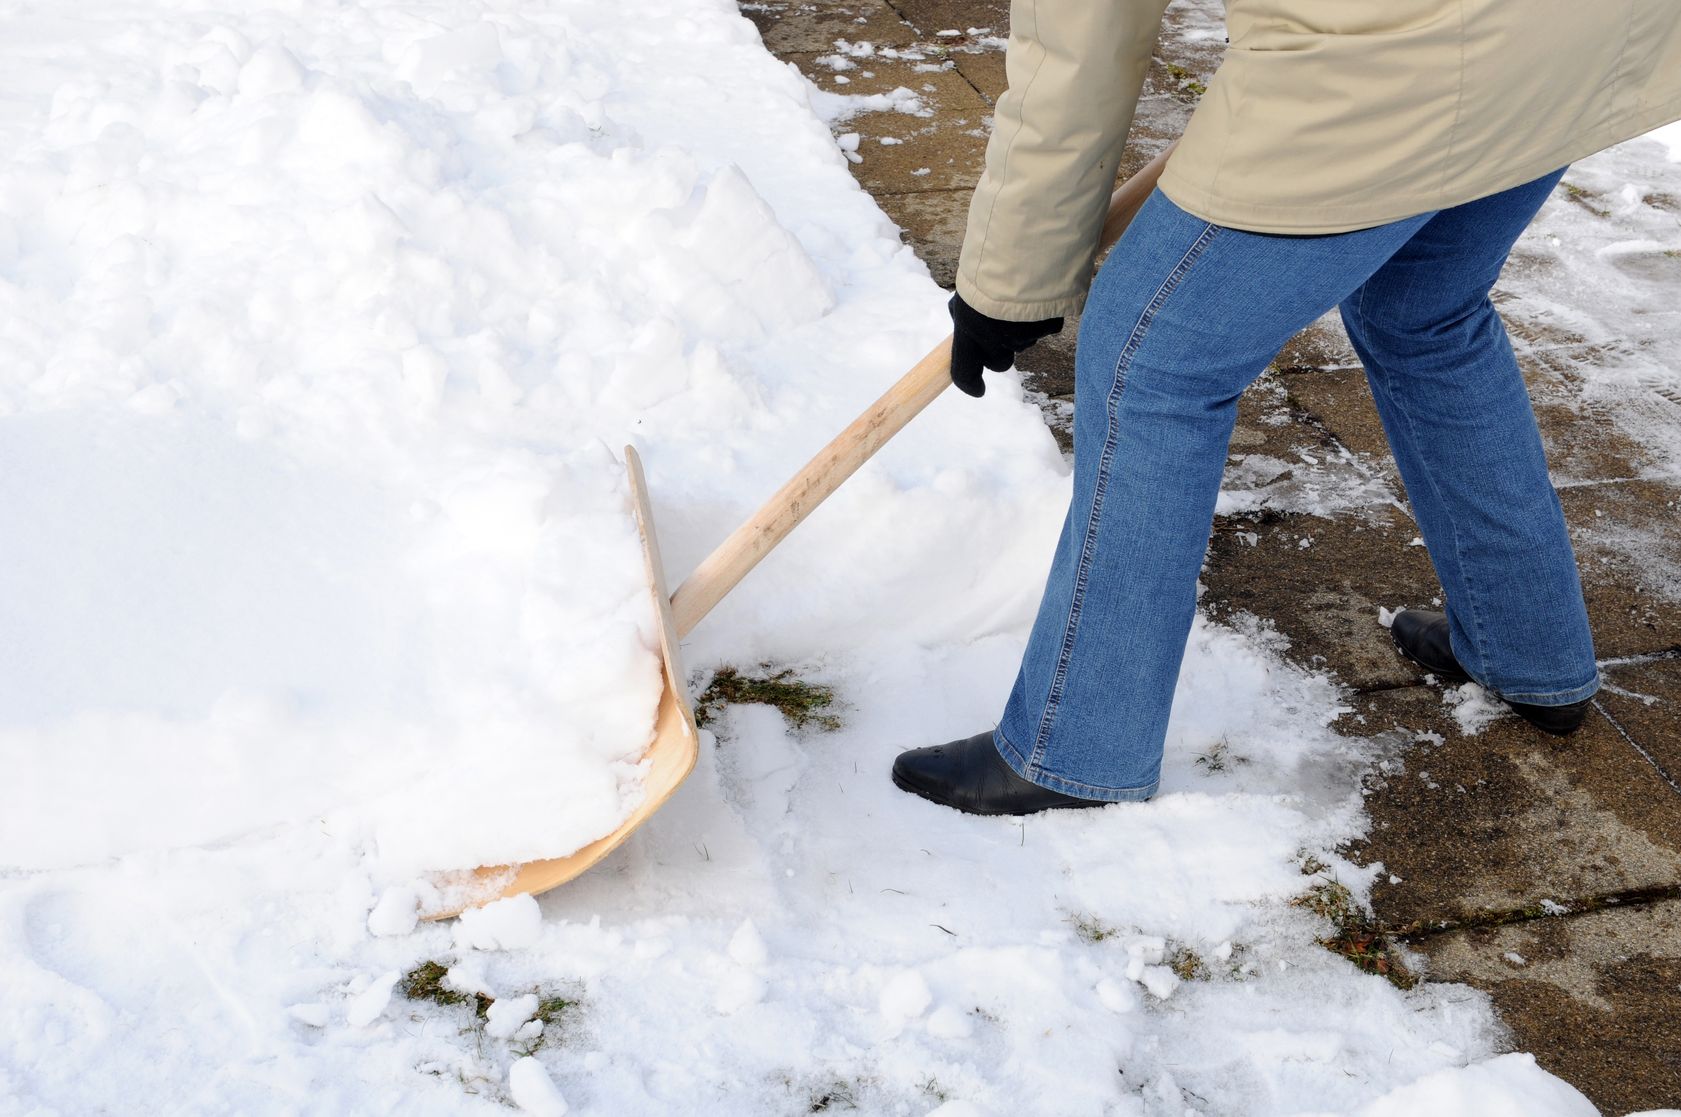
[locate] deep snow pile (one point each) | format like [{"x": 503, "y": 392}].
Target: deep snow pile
[{"x": 320, "y": 326}]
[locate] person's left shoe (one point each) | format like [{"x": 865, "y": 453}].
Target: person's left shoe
[{"x": 971, "y": 777}]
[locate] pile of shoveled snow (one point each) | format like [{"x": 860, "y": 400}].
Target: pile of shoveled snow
[
  {"x": 320, "y": 335},
  {"x": 320, "y": 328}
]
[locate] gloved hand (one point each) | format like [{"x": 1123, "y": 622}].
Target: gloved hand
[{"x": 978, "y": 340}]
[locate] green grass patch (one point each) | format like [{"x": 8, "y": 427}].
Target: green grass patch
[
  {"x": 1090, "y": 929},
  {"x": 1187, "y": 964},
  {"x": 1354, "y": 938},
  {"x": 1188, "y": 82},
  {"x": 1584, "y": 198},
  {"x": 551, "y": 1010},
  {"x": 426, "y": 983},
  {"x": 802, "y": 705},
  {"x": 1330, "y": 899}
]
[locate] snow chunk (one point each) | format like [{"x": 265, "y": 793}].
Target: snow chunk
[
  {"x": 315, "y": 1014},
  {"x": 396, "y": 913},
  {"x": 513, "y": 923},
  {"x": 1474, "y": 708},
  {"x": 728, "y": 266},
  {"x": 506, "y": 1016},
  {"x": 1160, "y": 981},
  {"x": 1117, "y": 997},
  {"x": 369, "y": 1005},
  {"x": 737, "y": 990},
  {"x": 1507, "y": 1086},
  {"x": 428, "y": 64},
  {"x": 905, "y": 997},
  {"x": 533, "y": 1090},
  {"x": 272, "y": 69},
  {"x": 747, "y": 946},
  {"x": 950, "y": 1022}
]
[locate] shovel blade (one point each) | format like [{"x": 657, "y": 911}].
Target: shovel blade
[{"x": 669, "y": 758}]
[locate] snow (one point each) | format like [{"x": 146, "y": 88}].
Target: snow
[
  {"x": 507, "y": 1016},
  {"x": 510, "y": 924},
  {"x": 320, "y": 329},
  {"x": 1599, "y": 271},
  {"x": 1508, "y": 1086},
  {"x": 905, "y": 997},
  {"x": 533, "y": 1090},
  {"x": 747, "y": 946},
  {"x": 396, "y": 912},
  {"x": 370, "y": 1004},
  {"x": 1473, "y": 708}
]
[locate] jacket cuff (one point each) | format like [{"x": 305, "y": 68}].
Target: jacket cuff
[{"x": 1017, "y": 310}]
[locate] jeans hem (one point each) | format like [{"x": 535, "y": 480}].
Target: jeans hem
[
  {"x": 1554, "y": 697},
  {"x": 1036, "y": 775}
]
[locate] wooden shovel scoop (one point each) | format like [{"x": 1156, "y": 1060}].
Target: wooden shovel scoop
[{"x": 671, "y": 756}]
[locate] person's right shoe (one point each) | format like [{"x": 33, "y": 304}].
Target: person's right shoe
[{"x": 1422, "y": 636}]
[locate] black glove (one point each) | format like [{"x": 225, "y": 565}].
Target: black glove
[{"x": 977, "y": 340}]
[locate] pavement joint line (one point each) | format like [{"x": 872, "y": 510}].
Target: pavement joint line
[
  {"x": 1367, "y": 472},
  {"x": 920, "y": 193},
  {"x": 1629, "y": 899},
  {"x": 955, "y": 68},
  {"x": 1638, "y": 747},
  {"x": 1664, "y": 655},
  {"x": 1597, "y": 483},
  {"x": 1388, "y": 688},
  {"x": 1309, "y": 370}
]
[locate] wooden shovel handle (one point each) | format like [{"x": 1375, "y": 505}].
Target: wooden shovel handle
[{"x": 720, "y": 571}]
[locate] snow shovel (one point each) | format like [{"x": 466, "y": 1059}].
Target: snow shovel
[{"x": 676, "y": 745}]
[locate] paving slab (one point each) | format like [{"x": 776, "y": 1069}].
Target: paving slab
[
  {"x": 983, "y": 69},
  {"x": 1323, "y": 596},
  {"x": 1507, "y": 819},
  {"x": 940, "y": 147},
  {"x": 1281, "y": 460},
  {"x": 1629, "y": 552},
  {"x": 1321, "y": 346},
  {"x": 932, "y": 223},
  {"x": 1340, "y": 399},
  {"x": 1627, "y": 548},
  {"x": 983, "y": 17},
  {"x": 1643, "y": 699},
  {"x": 795, "y": 27},
  {"x": 1583, "y": 445},
  {"x": 1595, "y": 997}
]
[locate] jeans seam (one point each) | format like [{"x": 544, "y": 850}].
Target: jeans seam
[{"x": 1059, "y": 679}]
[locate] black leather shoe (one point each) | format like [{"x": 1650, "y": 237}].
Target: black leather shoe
[
  {"x": 971, "y": 776},
  {"x": 1422, "y": 636}
]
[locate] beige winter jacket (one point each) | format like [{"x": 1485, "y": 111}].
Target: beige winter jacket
[{"x": 1325, "y": 116}]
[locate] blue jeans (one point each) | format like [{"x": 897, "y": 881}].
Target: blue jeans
[{"x": 1181, "y": 318}]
